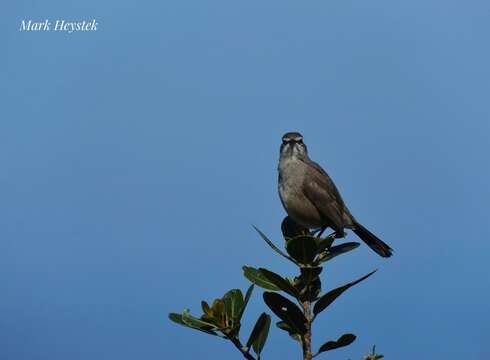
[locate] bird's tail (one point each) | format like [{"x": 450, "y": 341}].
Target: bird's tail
[{"x": 371, "y": 240}]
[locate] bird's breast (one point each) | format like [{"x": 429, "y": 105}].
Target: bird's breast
[{"x": 291, "y": 177}]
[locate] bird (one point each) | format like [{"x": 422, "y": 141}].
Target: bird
[{"x": 311, "y": 198}]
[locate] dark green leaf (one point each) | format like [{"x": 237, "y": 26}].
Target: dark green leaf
[
  {"x": 312, "y": 291},
  {"x": 196, "y": 323},
  {"x": 308, "y": 284},
  {"x": 342, "y": 341},
  {"x": 339, "y": 250},
  {"x": 233, "y": 304},
  {"x": 259, "y": 334},
  {"x": 205, "y": 308},
  {"x": 326, "y": 243},
  {"x": 259, "y": 343},
  {"x": 258, "y": 278},
  {"x": 218, "y": 317},
  {"x": 310, "y": 274},
  {"x": 177, "y": 318},
  {"x": 259, "y": 324},
  {"x": 291, "y": 228},
  {"x": 271, "y": 244},
  {"x": 303, "y": 249},
  {"x": 248, "y": 294},
  {"x": 208, "y": 314},
  {"x": 280, "y": 282},
  {"x": 330, "y": 297},
  {"x": 286, "y": 311},
  {"x": 283, "y": 326}
]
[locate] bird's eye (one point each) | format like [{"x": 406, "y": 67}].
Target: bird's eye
[{"x": 284, "y": 142}]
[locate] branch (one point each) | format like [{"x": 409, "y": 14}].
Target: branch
[
  {"x": 241, "y": 348},
  {"x": 306, "y": 339}
]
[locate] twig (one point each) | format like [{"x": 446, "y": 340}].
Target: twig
[{"x": 240, "y": 347}]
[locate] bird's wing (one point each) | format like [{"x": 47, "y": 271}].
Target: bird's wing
[
  {"x": 323, "y": 193},
  {"x": 328, "y": 183}
]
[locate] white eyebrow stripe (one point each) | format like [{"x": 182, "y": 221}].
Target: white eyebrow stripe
[{"x": 295, "y": 139}]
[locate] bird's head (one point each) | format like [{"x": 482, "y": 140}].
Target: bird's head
[{"x": 293, "y": 146}]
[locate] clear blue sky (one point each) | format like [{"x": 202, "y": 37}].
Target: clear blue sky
[{"x": 134, "y": 160}]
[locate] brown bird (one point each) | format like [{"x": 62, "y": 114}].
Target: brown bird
[{"x": 311, "y": 198}]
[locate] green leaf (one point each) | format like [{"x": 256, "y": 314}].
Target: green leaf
[
  {"x": 310, "y": 274},
  {"x": 303, "y": 249},
  {"x": 326, "y": 243},
  {"x": 286, "y": 311},
  {"x": 233, "y": 300},
  {"x": 280, "y": 282},
  {"x": 274, "y": 247},
  {"x": 339, "y": 250},
  {"x": 219, "y": 313},
  {"x": 208, "y": 314},
  {"x": 330, "y": 297},
  {"x": 196, "y": 323},
  {"x": 177, "y": 318},
  {"x": 258, "y": 344},
  {"x": 308, "y": 284},
  {"x": 248, "y": 294},
  {"x": 206, "y": 309},
  {"x": 342, "y": 341},
  {"x": 259, "y": 334},
  {"x": 284, "y": 326},
  {"x": 291, "y": 228},
  {"x": 233, "y": 304},
  {"x": 258, "y": 278}
]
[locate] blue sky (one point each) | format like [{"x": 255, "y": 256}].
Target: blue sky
[{"x": 135, "y": 159}]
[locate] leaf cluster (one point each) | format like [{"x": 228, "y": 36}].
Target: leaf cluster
[
  {"x": 308, "y": 252},
  {"x": 223, "y": 318},
  {"x": 302, "y": 302}
]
